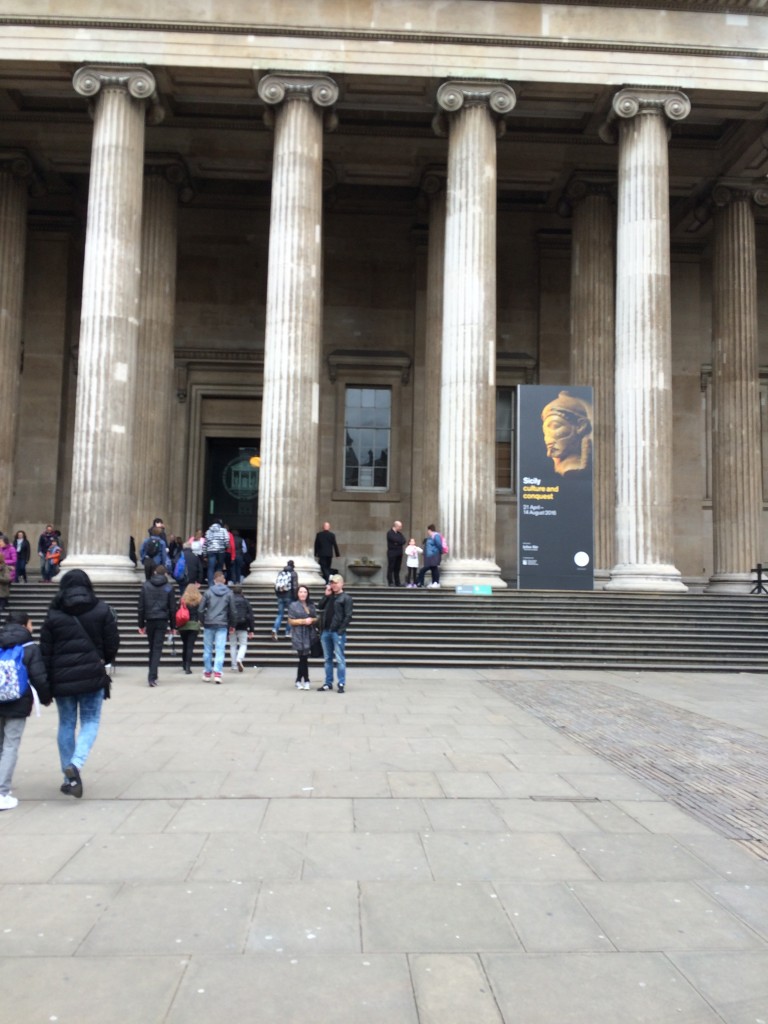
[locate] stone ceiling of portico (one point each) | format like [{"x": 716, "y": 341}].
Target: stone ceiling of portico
[{"x": 384, "y": 140}]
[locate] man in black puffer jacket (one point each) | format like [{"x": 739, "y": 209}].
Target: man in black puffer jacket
[
  {"x": 17, "y": 632},
  {"x": 78, "y": 640},
  {"x": 157, "y": 615}
]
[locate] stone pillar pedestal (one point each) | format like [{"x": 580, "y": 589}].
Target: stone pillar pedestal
[
  {"x": 736, "y": 469},
  {"x": 643, "y": 344},
  {"x": 467, "y": 517},
  {"x": 102, "y": 477},
  {"x": 593, "y": 297},
  {"x": 155, "y": 391},
  {"x": 290, "y": 406},
  {"x": 14, "y": 169}
]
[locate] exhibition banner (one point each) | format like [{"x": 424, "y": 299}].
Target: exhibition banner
[{"x": 554, "y": 487}]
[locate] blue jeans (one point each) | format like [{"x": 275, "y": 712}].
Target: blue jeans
[
  {"x": 333, "y": 647},
  {"x": 283, "y": 602},
  {"x": 71, "y": 750},
  {"x": 215, "y": 563},
  {"x": 214, "y": 636}
]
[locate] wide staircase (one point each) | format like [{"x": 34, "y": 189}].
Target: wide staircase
[{"x": 523, "y": 629}]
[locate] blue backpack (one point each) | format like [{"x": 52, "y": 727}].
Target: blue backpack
[
  {"x": 180, "y": 569},
  {"x": 14, "y": 678}
]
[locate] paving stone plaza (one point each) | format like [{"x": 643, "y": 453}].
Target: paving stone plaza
[{"x": 432, "y": 847}]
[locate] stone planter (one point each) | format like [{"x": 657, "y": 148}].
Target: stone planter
[{"x": 364, "y": 570}]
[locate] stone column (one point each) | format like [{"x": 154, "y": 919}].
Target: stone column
[
  {"x": 155, "y": 386},
  {"x": 473, "y": 112},
  {"x": 736, "y": 467},
  {"x": 644, "y": 545},
  {"x": 290, "y": 410},
  {"x": 425, "y": 499},
  {"x": 593, "y": 298},
  {"x": 14, "y": 169},
  {"x": 102, "y": 476}
]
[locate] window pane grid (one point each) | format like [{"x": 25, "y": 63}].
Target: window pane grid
[{"x": 367, "y": 429}]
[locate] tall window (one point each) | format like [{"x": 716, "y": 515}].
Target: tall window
[
  {"x": 367, "y": 429},
  {"x": 505, "y": 439}
]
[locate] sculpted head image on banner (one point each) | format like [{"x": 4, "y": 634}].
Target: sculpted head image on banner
[{"x": 554, "y": 487}]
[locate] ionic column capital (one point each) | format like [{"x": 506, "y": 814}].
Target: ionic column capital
[
  {"x": 582, "y": 186},
  {"x": 638, "y": 100},
  {"x": 277, "y": 88},
  {"x": 139, "y": 83},
  {"x": 16, "y": 163},
  {"x": 434, "y": 181},
  {"x": 172, "y": 169},
  {"x": 732, "y": 191},
  {"x": 497, "y": 97}
]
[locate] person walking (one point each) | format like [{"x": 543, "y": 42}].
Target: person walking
[
  {"x": 216, "y": 547},
  {"x": 325, "y": 548},
  {"x": 23, "y": 551},
  {"x": 78, "y": 640},
  {"x": 16, "y": 638},
  {"x": 286, "y": 584},
  {"x": 244, "y": 627},
  {"x": 336, "y": 608},
  {"x": 188, "y": 630},
  {"x": 302, "y": 615},
  {"x": 217, "y": 614},
  {"x": 157, "y": 616},
  {"x": 395, "y": 546}
]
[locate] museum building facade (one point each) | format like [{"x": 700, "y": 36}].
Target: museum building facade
[{"x": 288, "y": 263}]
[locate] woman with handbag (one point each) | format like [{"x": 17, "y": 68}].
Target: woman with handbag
[
  {"x": 302, "y": 618},
  {"x": 188, "y": 623},
  {"x": 78, "y": 640}
]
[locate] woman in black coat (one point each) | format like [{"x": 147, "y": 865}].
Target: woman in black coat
[{"x": 79, "y": 638}]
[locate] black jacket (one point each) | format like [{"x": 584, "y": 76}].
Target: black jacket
[
  {"x": 342, "y": 613},
  {"x": 78, "y": 637},
  {"x": 157, "y": 601},
  {"x": 11, "y": 635}
]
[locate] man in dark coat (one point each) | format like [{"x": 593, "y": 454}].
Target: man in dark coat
[
  {"x": 395, "y": 546},
  {"x": 17, "y": 632},
  {"x": 78, "y": 640},
  {"x": 325, "y": 548},
  {"x": 157, "y": 615}
]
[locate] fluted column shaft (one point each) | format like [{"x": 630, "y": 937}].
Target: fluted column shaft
[
  {"x": 13, "y": 237},
  {"x": 736, "y": 471},
  {"x": 593, "y": 298},
  {"x": 290, "y": 409},
  {"x": 154, "y": 377},
  {"x": 468, "y": 374},
  {"x": 643, "y": 345},
  {"x": 102, "y": 481}
]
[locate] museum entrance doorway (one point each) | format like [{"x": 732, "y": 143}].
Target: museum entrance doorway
[{"x": 231, "y": 484}]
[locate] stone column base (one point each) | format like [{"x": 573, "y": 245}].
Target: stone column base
[
  {"x": 455, "y": 572},
  {"x": 649, "y": 579},
  {"x": 102, "y": 568},
  {"x": 732, "y": 583},
  {"x": 264, "y": 570}
]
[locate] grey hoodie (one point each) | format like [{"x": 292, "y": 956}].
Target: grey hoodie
[{"x": 217, "y": 609}]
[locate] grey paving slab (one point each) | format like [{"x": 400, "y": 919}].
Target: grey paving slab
[
  {"x": 585, "y": 988},
  {"x": 748, "y": 900},
  {"x": 218, "y": 816},
  {"x": 132, "y": 857},
  {"x": 498, "y": 856},
  {"x": 243, "y": 857},
  {"x": 657, "y": 816},
  {"x": 296, "y": 918},
  {"x": 317, "y": 815},
  {"x": 433, "y": 917},
  {"x": 607, "y": 817},
  {"x": 638, "y": 857},
  {"x": 541, "y": 815},
  {"x": 613, "y": 785},
  {"x": 549, "y": 918},
  {"x": 293, "y": 989},
  {"x": 735, "y": 984},
  {"x": 468, "y": 784},
  {"x": 395, "y": 815},
  {"x": 151, "y": 815},
  {"x": 350, "y": 784},
  {"x": 169, "y": 920},
  {"x": 369, "y": 856},
  {"x": 639, "y": 916},
  {"x": 26, "y": 860},
  {"x": 452, "y": 989},
  {"x": 524, "y": 784},
  {"x": 59, "y": 817},
  {"x": 729, "y": 859},
  {"x": 414, "y": 784},
  {"x": 181, "y": 785},
  {"x": 268, "y": 784},
  {"x": 49, "y": 920}
]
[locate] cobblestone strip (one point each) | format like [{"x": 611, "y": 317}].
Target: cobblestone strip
[{"x": 715, "y": 772}]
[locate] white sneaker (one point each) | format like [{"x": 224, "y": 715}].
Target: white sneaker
[
  {"x": 299, "y": 685},
  {"x": 8, "y": 802},
  {"x": 434, "y": 586},
  {"x": 306, "y": 686}
]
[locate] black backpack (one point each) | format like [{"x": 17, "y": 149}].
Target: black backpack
[{"x": 152, "y": 548}]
